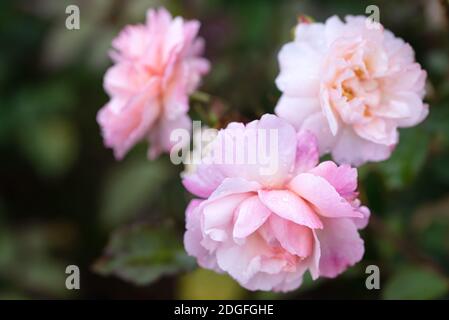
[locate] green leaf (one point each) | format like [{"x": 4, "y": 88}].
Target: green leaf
[
  {"x": 437, "y": 123},
  {"x": 7, "y": 249},
  {"x": 415, "y": 283},
  {"x": 44, "y": 275},
  {"x": 52, "y": 146},
  {"x": 141, "y": 254},
  {"x": 407, "y": 160},
  {"x": 131, "y": 186},
  {"x": 437, "y": 61}
]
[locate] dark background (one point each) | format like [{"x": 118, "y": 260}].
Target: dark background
[{"x": 63, "y": 197}]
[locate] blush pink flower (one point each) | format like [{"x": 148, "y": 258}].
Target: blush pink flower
[
  {"x": 352, "y": 84},
  {"x": 267, "y": 229},
  {"x": 157, "y": 65}
]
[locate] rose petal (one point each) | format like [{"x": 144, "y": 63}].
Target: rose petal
[
  {"x": 323, "y": 196},
  {"x": 289, "y": 206}
]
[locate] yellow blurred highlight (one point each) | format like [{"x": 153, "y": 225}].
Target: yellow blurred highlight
[{"x": 204, "y": 284}]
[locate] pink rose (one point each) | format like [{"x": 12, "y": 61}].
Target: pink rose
[
  {"x": 157, "y": 65},
  {"x": 266, "y": 228},
  {"x": 352, "y": 84}
]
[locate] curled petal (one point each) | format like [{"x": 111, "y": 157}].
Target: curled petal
[{"x": 323, "y": 196}]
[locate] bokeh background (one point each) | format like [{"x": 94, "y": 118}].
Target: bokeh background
[{"x": 65, "y": 200}]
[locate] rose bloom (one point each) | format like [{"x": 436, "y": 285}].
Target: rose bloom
[
  {"x": 157, "y": 65},
  {"x": 266, "y": 229},
  {"x": 352, "y": 84}
]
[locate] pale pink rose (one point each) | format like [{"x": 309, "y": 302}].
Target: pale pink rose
[
  {"x": 352, "y": 84},
  {"x": 157, "y": 65},
  {"x": 267, "y": 230}
]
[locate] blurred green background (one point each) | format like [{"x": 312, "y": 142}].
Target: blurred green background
[{"x": 65, "y": 200}]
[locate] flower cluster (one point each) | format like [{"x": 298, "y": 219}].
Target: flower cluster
[{"x": 267, "y": 210}]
